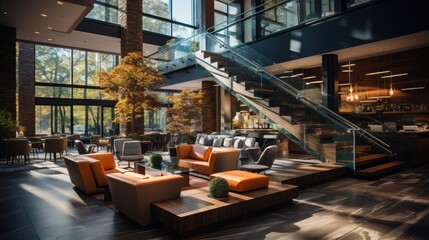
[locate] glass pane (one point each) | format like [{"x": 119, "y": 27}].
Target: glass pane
[
  {"x": 111, "y": 2},
  {"x": 160, "y": 8},
  {"x": 218, "y": 19},
  {"x": 79, "y": 70},
  {"x": 93, "y": 67},
  {"x": 180, "y": 31},
  {"x": 43, "y": 119},
  {"x": 155, "y": 25},
  {"x": 220, "y": 6},
  {"x": 108, "y": 125},
  {"x": 183, "y": 11},
  {"x": 353, "y": 3},
  {"x": 53, "y": 92},
  {"x": 94, "y": 119},
  {"x": 79, "y": 119},
  {"x": 61, "y": 116},
  {"x": 103, "y": 13},
  {"x": 52, "y": 64}
]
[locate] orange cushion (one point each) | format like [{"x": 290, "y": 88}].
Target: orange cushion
[
  {"x": 107, "y": 160},
  {"x": 200, "y": 152},
  {"x": 242, "y": 181}
]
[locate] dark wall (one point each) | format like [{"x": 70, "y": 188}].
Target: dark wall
[
  {"x": 380, "y": 20},
  {"x": 8, "y": 69}
]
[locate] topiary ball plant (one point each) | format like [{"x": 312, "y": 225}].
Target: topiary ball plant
[
  {"x": 218, "y": 188},
  {"x": 155, "y": 159}
]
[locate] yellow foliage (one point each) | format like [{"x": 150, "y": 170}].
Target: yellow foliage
[{"x": 130, "y": 84}]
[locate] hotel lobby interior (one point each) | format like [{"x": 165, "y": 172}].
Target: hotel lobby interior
[{"x": 312, "y": 114}]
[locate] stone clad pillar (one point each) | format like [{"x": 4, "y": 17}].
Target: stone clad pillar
[
  {"x": 209, "y": 107},
  {"x": 130, "y": 19},
  {"x": 27, "y": 92}
]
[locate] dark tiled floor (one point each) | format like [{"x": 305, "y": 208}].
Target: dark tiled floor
[{"x": 39, "y": 202}]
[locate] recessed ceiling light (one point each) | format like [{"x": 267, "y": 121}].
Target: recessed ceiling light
[
  {"x": 60, "y": 2},
  {"x": 37, "y": 32},
  {"x": 50, "y": 28},
  {"x": 377, "y": 73},
  {"x": 49, "y": 39},
  {"x": 347, "y": 70},
  {"x": 395, "y": 75},
  {"x": 309, "y": 77},
  {"x": 5, "y": 13},
  {"x": 43, "y": 15},
  {"x": 412, "y": 88},
  {"x": 348, "y": 65},
  {"x": 297, "y": 75},
  {"x": 313, "y": 82}
]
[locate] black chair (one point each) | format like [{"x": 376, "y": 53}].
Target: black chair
[{"x": 81, "y": 149}]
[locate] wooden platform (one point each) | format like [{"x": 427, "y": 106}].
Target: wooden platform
[
  {"x": 308, "y": 175},
  {"x": 195, "y": 211}
]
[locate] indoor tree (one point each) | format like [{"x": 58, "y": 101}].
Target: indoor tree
[
  {"x": 185, "y": 113},
  {"x": 130, "y": 84}
]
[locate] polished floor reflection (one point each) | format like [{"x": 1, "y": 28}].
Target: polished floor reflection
[{"x": 39, "y": 202}]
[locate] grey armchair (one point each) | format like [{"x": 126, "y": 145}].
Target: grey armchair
[
  {"x": 264, "y": 162},
  {"x": 131, "y": 152}
]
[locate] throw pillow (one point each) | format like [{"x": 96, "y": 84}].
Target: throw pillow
[
  {"x": 209, "y": 142},
  {"x": 227, "y": 142},
  {"x": 217, "y": 142},
  {"x": 202, "y": 140},
  {"x": 238, "y": 143}
]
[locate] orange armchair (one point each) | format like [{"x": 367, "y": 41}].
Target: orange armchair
[{"x": 88, "y": 172}]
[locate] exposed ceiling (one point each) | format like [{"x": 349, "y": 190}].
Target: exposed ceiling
[
  {"x": 398, "y": 44},
  {"x": 57, "y": 27}
]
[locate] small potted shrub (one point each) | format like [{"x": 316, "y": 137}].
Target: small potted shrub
[
  {"x": 155, "y": 159},
  {"x": 219, "y": 188}
]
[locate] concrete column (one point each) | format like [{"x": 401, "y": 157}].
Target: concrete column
[{"x": 27, "y": 92}]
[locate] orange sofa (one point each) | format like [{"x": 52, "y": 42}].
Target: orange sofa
[
  {"x": 207, "y": 160},
  {"x": 88, "y": 172}
]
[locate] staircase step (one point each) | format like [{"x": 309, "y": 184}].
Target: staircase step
[
  {"x": 365, "y": 160},
  {"x": 380, "y": 170},
  {"x": 363, "y": 148}
]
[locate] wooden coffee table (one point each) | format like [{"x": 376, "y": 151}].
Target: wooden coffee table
[{"x": 166, "y": 168}]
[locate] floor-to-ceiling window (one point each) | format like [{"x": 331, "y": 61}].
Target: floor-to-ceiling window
[
  {"x": 176, "y": 18},
  {"x": 68, "y": 98},
  {"x": 105, "y": 10}
]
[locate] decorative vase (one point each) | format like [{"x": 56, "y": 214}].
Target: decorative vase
[{"x": 238, "y": 120}]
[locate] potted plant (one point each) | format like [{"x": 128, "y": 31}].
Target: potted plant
[
  {"x": 155, "y": 159},
  {"x": 7, "y": 124},
  {"x": 219, "y": 188}
]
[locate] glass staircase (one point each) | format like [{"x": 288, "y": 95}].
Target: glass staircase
[{"x": 291, "y": 106}]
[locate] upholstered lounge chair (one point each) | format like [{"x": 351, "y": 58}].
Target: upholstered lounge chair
[{"x": 88, "y": 172}]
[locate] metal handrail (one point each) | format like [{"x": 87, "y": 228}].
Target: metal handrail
[{"x": 329, "y": 113}]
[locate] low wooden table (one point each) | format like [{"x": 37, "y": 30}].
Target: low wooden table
[
  {"x": 166, "y": 168},
  {"x": 195, "y": 211}
]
